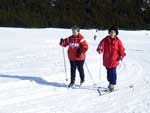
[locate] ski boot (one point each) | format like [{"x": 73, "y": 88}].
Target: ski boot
[
  {"x": 71, "y": 85},
  {"x": 81, "y": 83},
  {"x": 111, "y": 87}
]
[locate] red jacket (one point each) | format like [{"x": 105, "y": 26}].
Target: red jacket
[
  {"x": 74, "y": 43},
  {"x": 112, "y": 50}
]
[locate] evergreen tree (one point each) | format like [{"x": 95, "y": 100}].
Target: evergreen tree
[{"x": 126, "y": 14}]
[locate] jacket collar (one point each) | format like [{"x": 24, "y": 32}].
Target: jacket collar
[{"x": 116, "y": 38}]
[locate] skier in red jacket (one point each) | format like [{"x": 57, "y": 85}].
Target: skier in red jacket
[
  {"x": 76, "y": 53},
  {"x": 113, "y": 51}
]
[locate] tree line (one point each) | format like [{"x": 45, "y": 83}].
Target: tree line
[{"x": 126, "y": 14}]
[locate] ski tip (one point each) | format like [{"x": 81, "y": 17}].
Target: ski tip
[{"x": 99, "y": 92}]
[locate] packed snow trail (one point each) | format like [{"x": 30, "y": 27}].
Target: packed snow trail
[{"x": 32, "y": 76}]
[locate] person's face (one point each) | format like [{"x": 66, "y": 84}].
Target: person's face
[
  {"x": 75, "y": 32},
  {"x": 112, "y": 34}
]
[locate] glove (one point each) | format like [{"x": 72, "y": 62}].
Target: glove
[
  {"x": 120, "y": 58},
  {"x": 78, "y": 52},
  {"x": 61, "y": 40},
  {"x": 99, "y": 51}
]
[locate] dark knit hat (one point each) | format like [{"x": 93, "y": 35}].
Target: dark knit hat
[
  {"x": 75, "y": 28},
  {"x": 113, "y": 28}
]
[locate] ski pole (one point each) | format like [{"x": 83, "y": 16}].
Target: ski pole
[
  {"x": 89, "y": 73},
  {"x": 65, "y": 64},
  {"x": 100, "y": 67}
]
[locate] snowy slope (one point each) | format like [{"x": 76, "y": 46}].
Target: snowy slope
[{"x": 32, "y": 76}]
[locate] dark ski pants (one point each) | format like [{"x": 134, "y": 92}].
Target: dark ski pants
[
  {"x": 111, "y": 75},
  {"x": 79, "y": 66}
]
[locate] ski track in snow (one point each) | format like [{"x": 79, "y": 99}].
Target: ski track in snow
[{"x": 32, "y": 78}]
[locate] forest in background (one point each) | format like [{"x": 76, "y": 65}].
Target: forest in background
[{"x": 101, "y": 14}]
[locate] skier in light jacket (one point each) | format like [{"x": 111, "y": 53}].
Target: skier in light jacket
[
  {"x": 76, "y": 53},
  {"x": 113, "y": 51}
]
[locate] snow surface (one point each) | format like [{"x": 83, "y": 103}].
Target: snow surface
[{"x": 32, "y": 75}]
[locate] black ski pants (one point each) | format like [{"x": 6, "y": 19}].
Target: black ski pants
[
  {"x": 79, "y": 66},
  {"x": 111, "y": 75}
]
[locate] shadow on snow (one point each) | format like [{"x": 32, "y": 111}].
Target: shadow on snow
[{"x": 38, "y": 80}]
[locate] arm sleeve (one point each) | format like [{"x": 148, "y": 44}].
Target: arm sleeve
[
  {"x": 100, "y": 47},
  {"x": 83, "y": 45},
  {"x": 121, "y": 49},
  {"x": 65, "y": 42}
]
